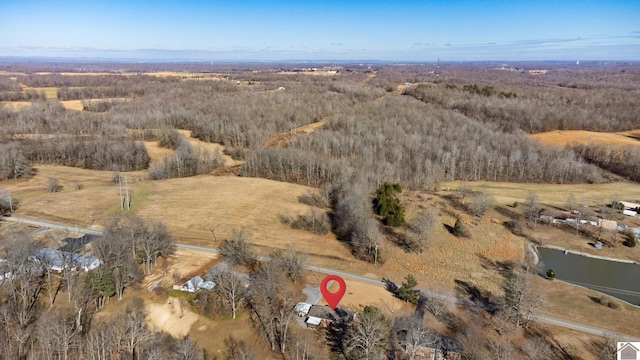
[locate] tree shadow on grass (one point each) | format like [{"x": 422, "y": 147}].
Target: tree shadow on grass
[
  {"x": 335, "y": 338},
  {"x": 558, "y": 351},
  {"x": 449, "y": 228},
  {"x": 390, "y": 286},
  {"x": 402, "y": 240},
  {"x": 478, "y": 297},
  {"x": 502, "y": 267}
]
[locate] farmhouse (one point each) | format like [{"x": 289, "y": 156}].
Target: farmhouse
[
  {"x": 59, "y": 260},
  {"x": 551, "y": 216},
  {"x": 324, "y": 316},
  {"x": 440, "y": 347},
  {"x": 433, "y": 346},
  {"x": 196, "y": 283}
]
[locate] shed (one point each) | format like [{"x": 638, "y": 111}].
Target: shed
[
  {"x": 629, "y": 205},
  {"x": 607, "y": 224},
  {"x": 302, "y": 308},
  {"x": 629, "y": 213},
  {"x": 312, "y": 320}
]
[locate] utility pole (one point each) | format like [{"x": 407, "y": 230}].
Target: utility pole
[
  {"x": 126, "y": 183},
  {"x": 120, "y": 187},
  {"x": 375, "y": 257}
]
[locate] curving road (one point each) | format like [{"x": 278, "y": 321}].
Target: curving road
[{"x": 349, "y": 275}]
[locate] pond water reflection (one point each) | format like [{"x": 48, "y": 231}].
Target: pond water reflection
[{"x": 618, "y": 279}]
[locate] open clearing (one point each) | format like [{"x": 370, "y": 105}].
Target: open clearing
[
  {"x": 565, "y": 137},
  {"x": 192, "y": 207},
  {"x": 505, "y": 193},
  {"x": 76, "y": 105}
]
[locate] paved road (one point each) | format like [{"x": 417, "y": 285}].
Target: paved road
[
  {"x": 51, "y": 225},
  {"x": 325, "y": 270}
]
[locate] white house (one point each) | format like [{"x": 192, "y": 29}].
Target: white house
[
  {"x": 57, "y": 260},
  {"x": 302, "y": 308},
  {"x": 86, "y": 261},
  {"x": 196, "y": 283}
]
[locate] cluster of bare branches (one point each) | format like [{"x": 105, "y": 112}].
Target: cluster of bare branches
[{"x": 186, "y": 161}]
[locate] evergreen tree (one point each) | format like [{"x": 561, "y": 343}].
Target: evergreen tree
[
  {"x": 631, "y": 239},
  {"x": 407, "y": 291},
  {"x": 387, "y": 205}
]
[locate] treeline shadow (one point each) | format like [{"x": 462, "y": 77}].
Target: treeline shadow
[{"x": 476, "y": 296}]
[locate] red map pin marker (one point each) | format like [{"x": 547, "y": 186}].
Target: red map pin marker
[{"x": 332, "y": 298}]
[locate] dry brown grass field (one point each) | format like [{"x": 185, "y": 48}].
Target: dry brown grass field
[
  {"x": 505, "y": 193},
  {"x": 192, "y": 207},
  {"x": 565, "y": 137},
  {"x": 14, "y": 105},
  {"x": 574, "y": 303}
]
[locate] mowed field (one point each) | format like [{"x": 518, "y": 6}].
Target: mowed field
[
  {"x": 565, "y": 137},
  {"x": 505, "y": 193}
]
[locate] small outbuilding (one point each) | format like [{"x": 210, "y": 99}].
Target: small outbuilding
[{"x": 302, "y": 308}]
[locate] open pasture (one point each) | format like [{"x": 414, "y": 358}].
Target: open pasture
[{"x": 566, "y": 137}]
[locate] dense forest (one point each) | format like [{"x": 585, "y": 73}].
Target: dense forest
[{"x": 413, "y": 126}]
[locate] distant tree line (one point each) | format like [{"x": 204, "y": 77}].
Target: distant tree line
[
  {"x": 623, "y": 160},
  {"x": 20, "y": 95},
  {"x": 537, "y": 110},
  {"x": 17, "y": 157}
]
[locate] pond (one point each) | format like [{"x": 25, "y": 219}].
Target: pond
[{"x": 617, "y": 279}]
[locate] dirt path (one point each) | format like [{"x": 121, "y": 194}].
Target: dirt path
[
  {"x": 282, "y": 138},
  {"x": 370, "y": 77}
]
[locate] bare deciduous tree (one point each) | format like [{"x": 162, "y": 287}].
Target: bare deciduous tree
[
  {"x": 532, "y": 207},
  {"x": 231, "y": 288},
  {"x": 537, "y": 348},
  {"x": 53, "y": 185},
  {"x": 291, "y": 263},
  {"x": 185, "y": 349},
  {"x": 367, "y": 337},
  {"x": 237, "y": 349},
  {"x": 415, "y": 339},
  {"x": 236, "y": 248},
  {"x": 501, "y": 349},
  {"x": 271, "y": 304},
  {"x": 521, "y": 297},
  {"x": 7, "y": 203},
  {"x": 422, "y": 225}
]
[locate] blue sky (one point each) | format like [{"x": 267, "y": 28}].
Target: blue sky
[{"x": 328, "y": 30}]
